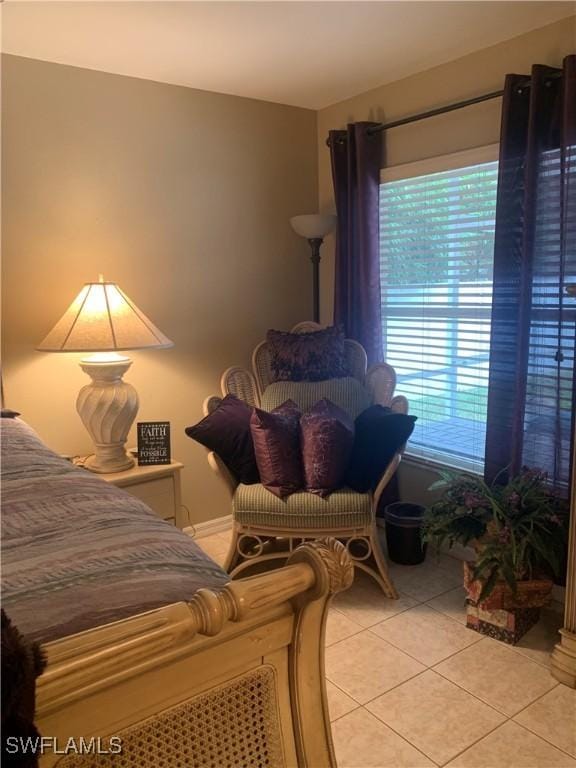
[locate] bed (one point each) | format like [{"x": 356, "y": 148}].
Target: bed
[{"x": 147, "y": 640}]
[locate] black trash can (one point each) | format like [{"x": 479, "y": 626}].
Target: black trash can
[{"x": 403, "y": 525}]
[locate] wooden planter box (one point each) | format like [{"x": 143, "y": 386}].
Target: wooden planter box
[{"x": 504, "y": 615}]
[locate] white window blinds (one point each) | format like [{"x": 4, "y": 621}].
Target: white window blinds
[{"x": 436, "y": 250}]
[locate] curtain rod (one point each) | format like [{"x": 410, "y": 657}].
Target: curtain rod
[
  {"x": 431, "y": 113},
  {"x": 448, "y": 108},
  {"x": 434, "y": 112}
]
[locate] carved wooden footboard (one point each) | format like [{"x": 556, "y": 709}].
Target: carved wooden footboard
[{"x": 231, "y": 678}]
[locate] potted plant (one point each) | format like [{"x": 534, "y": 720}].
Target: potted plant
[{"x": 519, "y": 534}]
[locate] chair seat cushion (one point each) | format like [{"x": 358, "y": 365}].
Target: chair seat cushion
[
  {"x": 347, "y": 393},
  {"x": 255, "y": 505}
]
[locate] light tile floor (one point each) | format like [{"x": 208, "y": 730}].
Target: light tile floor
[{"x": 410, "y": 686}]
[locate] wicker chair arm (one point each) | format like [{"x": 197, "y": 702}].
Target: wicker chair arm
[
  {"x": 399, "y": 404},
  {"x": 381, "y": 382},
  {"x": 223, "y": 473},
  {"x": 210, "y": 404},
  {"x": 387, "y": 475}
]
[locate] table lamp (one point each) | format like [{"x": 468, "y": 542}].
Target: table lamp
[
  {"x": 104, "y": 321},
  {"x": 314, "y": 227}
]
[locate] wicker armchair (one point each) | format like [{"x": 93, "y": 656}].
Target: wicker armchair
[{"x": 265, "y": 527}]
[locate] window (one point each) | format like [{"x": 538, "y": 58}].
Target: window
[{"x": 436, "y": 251}]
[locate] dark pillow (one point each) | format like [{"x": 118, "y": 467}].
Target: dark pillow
[
  {"x": 276, "y": 437},
  {"x": 226, "y": 431},
  {"x": 379, "y": 433},
  {"x": 7, "y": 413},
  {"x": 327, "y": 437},
  {"x": 311, "y": 356}
]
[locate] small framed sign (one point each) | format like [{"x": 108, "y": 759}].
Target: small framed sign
[{"x": 153, "y": 442}]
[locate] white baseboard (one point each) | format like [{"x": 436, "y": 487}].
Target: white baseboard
[{"x": 209, "y": 527}]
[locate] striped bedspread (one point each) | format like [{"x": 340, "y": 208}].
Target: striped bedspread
[{"x": 78, "y": 552}]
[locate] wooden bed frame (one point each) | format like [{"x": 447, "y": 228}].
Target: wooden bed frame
[{"x": 232, "y": 678}]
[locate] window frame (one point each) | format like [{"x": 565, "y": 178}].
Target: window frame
[{"x": 488, "y": 153}]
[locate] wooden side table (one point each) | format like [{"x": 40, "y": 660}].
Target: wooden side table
[{"x": 158, "y": 486}]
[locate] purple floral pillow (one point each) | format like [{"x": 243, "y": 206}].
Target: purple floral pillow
[
  {"x": 276, "y": 437},
  {"x": 327, "y": 437},
  {"x": 311, "y": 356}
]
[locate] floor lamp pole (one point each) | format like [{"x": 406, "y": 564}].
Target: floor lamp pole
[
  {"x": 314, "y": 227},
  {"x": 315, "y": 243}
]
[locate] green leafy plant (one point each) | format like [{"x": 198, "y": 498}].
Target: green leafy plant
[{"x": 518, "y": 530}]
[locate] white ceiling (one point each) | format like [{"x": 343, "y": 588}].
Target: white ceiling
[{"x": 308, "y": 54}]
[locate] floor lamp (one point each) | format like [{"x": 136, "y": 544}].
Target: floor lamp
[{"x": 314, "y": 227}]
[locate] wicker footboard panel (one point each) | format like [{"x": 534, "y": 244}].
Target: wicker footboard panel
[{"x": 230, "y": 726}]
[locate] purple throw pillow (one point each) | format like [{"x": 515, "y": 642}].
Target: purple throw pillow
[
  {"x": 276, "y": 437},
  {"x": 379, "y": 434},
  {"x": 311, "y": 356},
  {"x": 327, "y": 437},
  {"x": 226, "y": 431}
]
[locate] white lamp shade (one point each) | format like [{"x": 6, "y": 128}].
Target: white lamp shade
[
  {"x": 313, "y": 225},
  {"x": 103, "y": 319}
]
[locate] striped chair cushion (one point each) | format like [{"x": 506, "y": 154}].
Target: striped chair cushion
[
  {"x": 255, "y": 505},
  {"x": 347, "y": 393}
]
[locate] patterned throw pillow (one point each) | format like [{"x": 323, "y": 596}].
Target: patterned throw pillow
[
  {"x": 327, "y": 436},
  {"x": 311, "y": 356},
  {"x": 276, "y": 438},
  {"x": 226, "y": 431}
]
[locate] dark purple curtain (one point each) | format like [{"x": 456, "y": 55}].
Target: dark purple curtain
[
  {"x": 531, "y": 377},
  {"x": 356, "y": 163}
]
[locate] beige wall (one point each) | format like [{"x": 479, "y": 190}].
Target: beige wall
[
  {"x": 183, "y": 198},
  {"x": 475, "y": 126}
]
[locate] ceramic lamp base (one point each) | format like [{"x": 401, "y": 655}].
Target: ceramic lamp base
[
  {"x": 108, "y": 459},
  {"x": 107, "y": 407}
]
